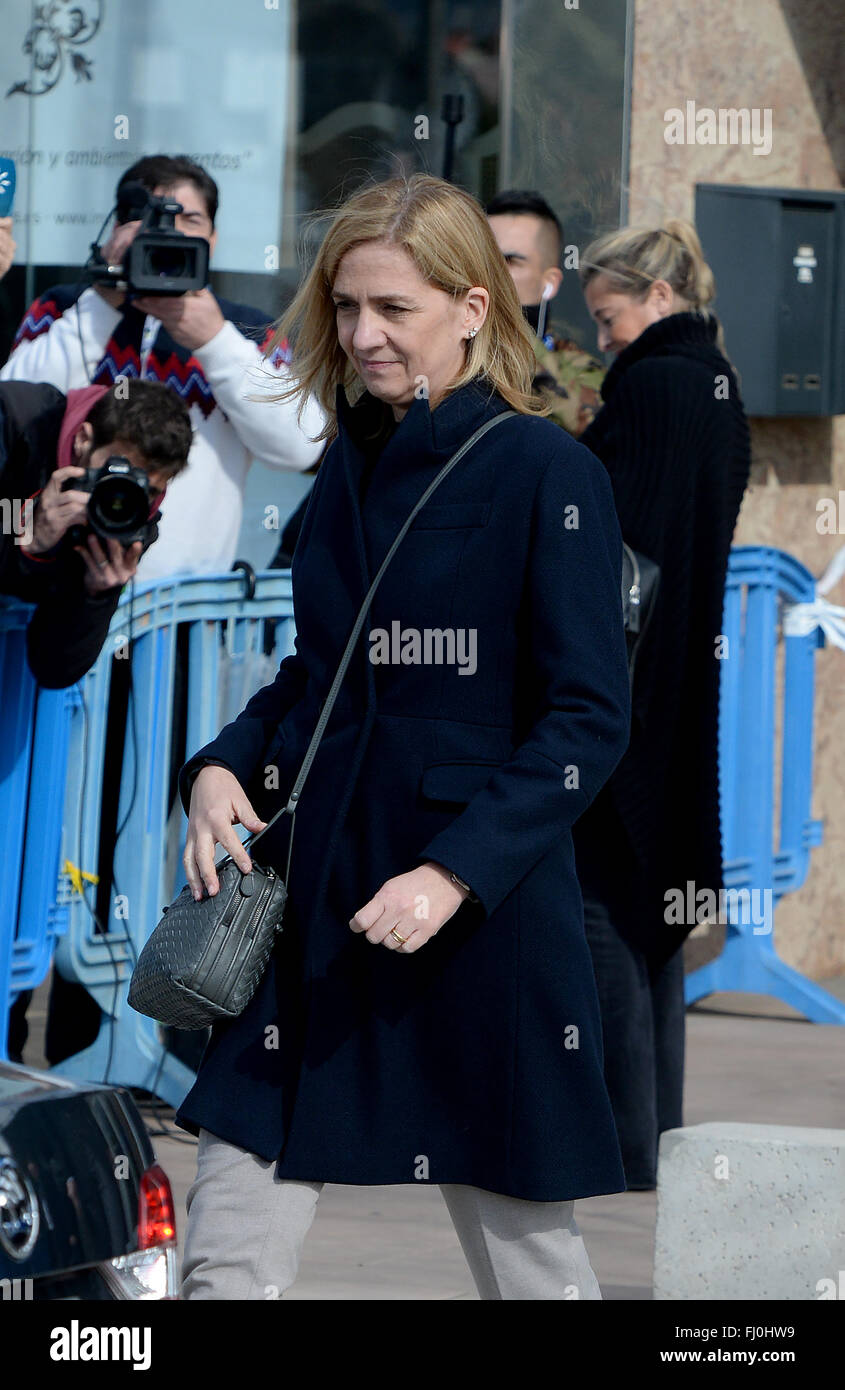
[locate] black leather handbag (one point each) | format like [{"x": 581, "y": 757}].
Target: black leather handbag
[
  {"x": 640, "y": 583},
  {"x": 205, "y": 958}
]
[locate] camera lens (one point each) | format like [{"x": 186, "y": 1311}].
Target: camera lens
[
  {"x": 166, "y": 262},
  {"x": 118, "y": 507}
]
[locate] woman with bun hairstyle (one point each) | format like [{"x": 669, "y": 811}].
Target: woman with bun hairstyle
[{"x": 674, "y": 438}]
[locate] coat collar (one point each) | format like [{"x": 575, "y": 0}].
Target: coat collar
[
  {"x": 410, "y": 458},
  {"x": 690, "y": 334},
  {"x": 422, "y": 434}
]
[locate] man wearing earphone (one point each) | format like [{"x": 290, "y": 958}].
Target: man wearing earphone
[{"x": 530, "y": 238}]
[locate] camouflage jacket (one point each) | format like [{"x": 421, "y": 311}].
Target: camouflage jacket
[{"x": 572, "y": 378}]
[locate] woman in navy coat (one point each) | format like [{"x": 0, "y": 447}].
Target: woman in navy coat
[{"x": 429, "y": 1013}]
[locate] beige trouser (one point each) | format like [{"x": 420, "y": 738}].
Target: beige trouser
[{"x": 246, "y": 1229}]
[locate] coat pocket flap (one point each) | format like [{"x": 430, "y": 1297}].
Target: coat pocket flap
[
  {"x": 456, "y": 782},
  {"x": 437, "y": 516}
]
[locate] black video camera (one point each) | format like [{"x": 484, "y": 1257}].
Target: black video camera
[
  {"x": 160, "y": 260},
  {"x": 119, "y": 506}
]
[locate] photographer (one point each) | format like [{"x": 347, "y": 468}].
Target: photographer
[
  {"x": 77, "y": 542},
  {"x": 205, "y": 349}
]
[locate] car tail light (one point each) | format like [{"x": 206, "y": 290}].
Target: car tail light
[
  {"x": 145, "y": 1274},
  {"x": 150, "y": 1271},
  {"x": 156, "y": 1217}
]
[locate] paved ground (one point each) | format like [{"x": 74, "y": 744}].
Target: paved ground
[{"x": 748, "y": 1059}]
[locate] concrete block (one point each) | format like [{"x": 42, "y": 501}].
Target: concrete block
[{"x": 750, "y": 1212}]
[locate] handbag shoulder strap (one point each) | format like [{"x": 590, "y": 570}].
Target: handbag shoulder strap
[{"x": 328, "y": 706}]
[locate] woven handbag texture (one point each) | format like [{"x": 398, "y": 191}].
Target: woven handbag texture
[{"x": 204, "y": 960}]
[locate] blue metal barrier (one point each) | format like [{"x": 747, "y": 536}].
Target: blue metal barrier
[
  {"x": 52, "y": 771},
  {"x": 33, "y": 762},
  {"x": 760, "y": 580},
  {"x": 225, "y": 630}
]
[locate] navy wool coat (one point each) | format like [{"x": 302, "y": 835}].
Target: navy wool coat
[{"x": 478, "y": 1058}]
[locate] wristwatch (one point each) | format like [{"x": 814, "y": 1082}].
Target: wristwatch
[{"x": 471, "y": 897}]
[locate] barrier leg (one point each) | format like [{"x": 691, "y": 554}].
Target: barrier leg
[
  {"x": 750, "y": 965},
  {"x": 124, "y": 1056}
]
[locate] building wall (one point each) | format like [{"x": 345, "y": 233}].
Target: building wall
[{"x": 787, "y": 55}]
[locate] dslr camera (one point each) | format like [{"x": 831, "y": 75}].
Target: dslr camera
[
  {"x": 119, "y": 504},
  {"x": 160, "y": 260}
]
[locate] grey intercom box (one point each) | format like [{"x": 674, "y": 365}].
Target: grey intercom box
[{"x": 778, "y": 255}]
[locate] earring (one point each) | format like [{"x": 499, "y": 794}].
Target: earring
[{"x": 472, "y": 332}]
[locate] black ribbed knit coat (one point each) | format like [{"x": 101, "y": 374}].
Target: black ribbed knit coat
[{"x": 674, "y": 438}]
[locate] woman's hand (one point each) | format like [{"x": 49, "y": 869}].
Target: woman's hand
[
  {"x": 416, "y": 904},
  {"x": 218, "y": 802},
  {"x": 8, "y": 246}
]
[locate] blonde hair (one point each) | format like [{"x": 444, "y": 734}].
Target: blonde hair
[
  {"x": 634, "y": 257},
  {"x": 447, "y": 236}
]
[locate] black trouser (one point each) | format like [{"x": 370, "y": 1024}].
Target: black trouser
[{"x": 643, "y": 1029}]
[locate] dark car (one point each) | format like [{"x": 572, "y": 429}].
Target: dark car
[{"x": 85, "y": 1210}]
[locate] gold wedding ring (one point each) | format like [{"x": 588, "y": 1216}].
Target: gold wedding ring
[{"x": 396, "y": 937}]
